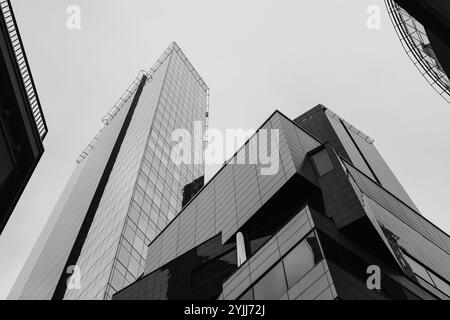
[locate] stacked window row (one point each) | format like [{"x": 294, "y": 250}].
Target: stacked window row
[{"x": 157, "y": 196}]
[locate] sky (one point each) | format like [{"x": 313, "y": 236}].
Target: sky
[{"x": 256, "y": 56}]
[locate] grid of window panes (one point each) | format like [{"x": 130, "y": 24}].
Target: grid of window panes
[
  {"x": 101, "y": 243},
  {"x": 426, "y": 277},
  {"x": 288, "y": 271},
  {"x": 158, "y": 192}
]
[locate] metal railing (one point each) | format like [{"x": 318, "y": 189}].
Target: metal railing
[
  {"x": 350, "y": 127},
  {"x": 123, "y": 99},
  {"x": 108, "y": 118},
  {"x": 90, "y": 146},
  {"x": 129, "y": 92},
  {"x": 22, "y": 64},
  {"x": 415, "y": 42}
]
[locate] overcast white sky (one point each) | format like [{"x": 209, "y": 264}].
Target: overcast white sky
[{"x": 255, "y": 56}]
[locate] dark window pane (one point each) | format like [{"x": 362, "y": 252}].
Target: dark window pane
[
  {"x": 354, "y": 264},
  {"x": 214, "y": 268},
  {"x": 302, "y": 259},
  {"x": 230, "y": 257},
  {"x": 272, "y": 286},
  {"x": 322, "y": 162},
  {"x": 331, "y": 250},
  {"x": 256, "y": 244}
]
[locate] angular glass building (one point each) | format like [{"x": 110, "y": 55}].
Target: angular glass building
[
  {"x": 332, "y": 222},
  {"x": 124, "y": 191}
]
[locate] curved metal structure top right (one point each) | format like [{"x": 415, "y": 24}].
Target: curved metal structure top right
[{"x": 415, "y": 42}]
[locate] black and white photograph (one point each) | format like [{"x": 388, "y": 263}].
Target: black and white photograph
[{"x": 224, "y": 155}]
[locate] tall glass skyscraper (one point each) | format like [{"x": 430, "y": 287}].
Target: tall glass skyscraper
[{"x": 124, "y": 191}]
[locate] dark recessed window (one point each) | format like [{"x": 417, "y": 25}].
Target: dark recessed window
[
  {"x": 331, "y": 249},
  {"x": 322, "y": 162},
  {"x": 272, "y": 286},
  {"x": 220, "y": 266},
  {"x": 257, "y": 243},
  {"x": 355, "y": 265}
]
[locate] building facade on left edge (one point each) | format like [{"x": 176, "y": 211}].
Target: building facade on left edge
[{"x": 22, "y": 124}]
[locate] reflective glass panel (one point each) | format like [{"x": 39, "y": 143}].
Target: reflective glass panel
[
  {"x": 302, "y": 259},
  {"x": 272, "y": 285},
  {"x": 322, "y": 162}
]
